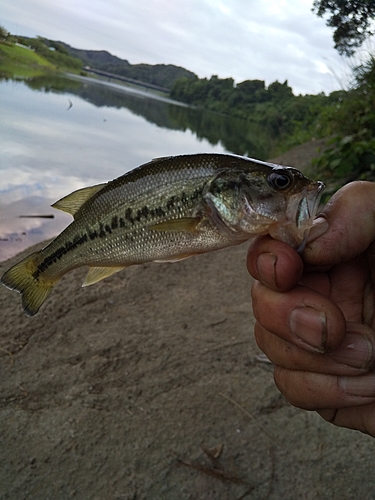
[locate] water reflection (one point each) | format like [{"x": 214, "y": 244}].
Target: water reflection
[
  {"x": 236, "y": 135},
  {"x": 60, "y": 134}
]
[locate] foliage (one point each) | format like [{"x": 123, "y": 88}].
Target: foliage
[
  {"x": 348, "y": 117},
  {"x": 3, "y": 33},
  {"x": 351, "y": 152},
  {"x": 54, "y": 52},
  {"x": 288, "y": 117},
  {"x": 351, "y": 20}
]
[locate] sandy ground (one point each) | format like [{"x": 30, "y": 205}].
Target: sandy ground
[{"x": 148, "y": 385}]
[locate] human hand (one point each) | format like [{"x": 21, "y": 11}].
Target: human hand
[{"x": 316, "y": 312}]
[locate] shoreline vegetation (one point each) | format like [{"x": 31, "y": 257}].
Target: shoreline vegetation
[{"x": 345, "y": 118}]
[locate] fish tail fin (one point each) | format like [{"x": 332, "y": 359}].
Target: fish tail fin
[{"x": 23, "y": 278}]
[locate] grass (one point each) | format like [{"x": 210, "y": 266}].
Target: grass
[{"x": 21, "y": 62}]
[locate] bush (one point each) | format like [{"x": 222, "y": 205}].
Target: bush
[{"x": 351, "y": 152}]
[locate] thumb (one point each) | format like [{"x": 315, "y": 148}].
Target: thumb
[{"x": 351, "y": 219}]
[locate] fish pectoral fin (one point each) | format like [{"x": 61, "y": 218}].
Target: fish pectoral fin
[
  {"x": 96, "y": 274},
  {"x": 74, "y": 201},
  {"x": 189, "y": 224}
]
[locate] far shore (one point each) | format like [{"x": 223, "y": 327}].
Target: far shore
[{"x": 150, "y": 94}]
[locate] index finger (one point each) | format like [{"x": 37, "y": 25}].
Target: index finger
[{"x": 274, "y": 263}]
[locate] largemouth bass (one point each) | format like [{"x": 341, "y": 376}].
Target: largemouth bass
[{"x": 166, "y": 210}]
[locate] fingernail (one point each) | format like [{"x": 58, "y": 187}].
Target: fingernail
[
  {"x": 363, "y": 385},
  {"x": 356, "y": 350},
  {"x": 309, "y": 325},
  {"x": 266, "y": 264},
  {"x": 319, "y": 227}
]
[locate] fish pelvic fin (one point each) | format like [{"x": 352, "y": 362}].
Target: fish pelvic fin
[
  {"x": 74, "y": 201},
  {"x": 34, "y": 290},
  {"x": 96, "y": 274}
]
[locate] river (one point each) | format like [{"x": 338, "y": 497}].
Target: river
[{"x": 58, "y": 134}]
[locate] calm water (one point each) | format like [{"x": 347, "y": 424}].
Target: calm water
[{"x": 58, "y": 135}]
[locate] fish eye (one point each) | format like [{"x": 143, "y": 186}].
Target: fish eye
[{"x": 279, "y": 181}]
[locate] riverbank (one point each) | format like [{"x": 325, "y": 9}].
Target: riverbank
[
  {"x": 17, "y": 61},
  {"x": 150, "y": 385}
]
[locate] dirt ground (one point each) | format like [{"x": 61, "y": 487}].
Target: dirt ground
[{"x": 149, "y": 385}]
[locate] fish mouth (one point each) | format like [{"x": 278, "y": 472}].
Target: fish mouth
[
  {"x": 300, "y": 213},
  {"x": 306, "y": 210},
  {"x": 308, "y": 205}
]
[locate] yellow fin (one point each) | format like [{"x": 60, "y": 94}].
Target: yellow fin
[
  {"x": 34, "y": 290},
  {"x": 186, "y": 224},
  {"x": 96, "y": 274},
  {"x": 73, "y": 201}
]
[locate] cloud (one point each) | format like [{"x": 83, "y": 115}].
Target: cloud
[{"x": 269, "y": 40}]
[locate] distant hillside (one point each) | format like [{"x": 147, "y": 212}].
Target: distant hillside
[{"x": 158, "y": 74}]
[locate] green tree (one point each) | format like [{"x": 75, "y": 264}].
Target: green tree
[
  {"x": 351, "y": 20},
  {"x": 350, "y": 154},
  {"x": 3, "y": 33},
  {"x": 250, "y": 91},
  {"x": 280, "y": 91}
]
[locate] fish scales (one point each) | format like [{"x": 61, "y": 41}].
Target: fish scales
[
  {"x": 166, "y": 210},
  {"x": 119, "y": 213}
]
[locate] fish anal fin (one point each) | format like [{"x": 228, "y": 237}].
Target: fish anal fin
[
  {"x": 96, "y": 274},
  {"x": 189, "y": 224},
  {"x": 73, "y": 201}
]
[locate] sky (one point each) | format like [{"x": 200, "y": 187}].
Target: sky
[{"x": 244, "y": 39}]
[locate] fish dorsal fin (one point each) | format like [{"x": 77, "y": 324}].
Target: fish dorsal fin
[
  {"x": 160, "y": 158},
  {"x": 189, "y": 224},
  {"x": 74, "y": 201},
  {"x": 96, "y": 274}
]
